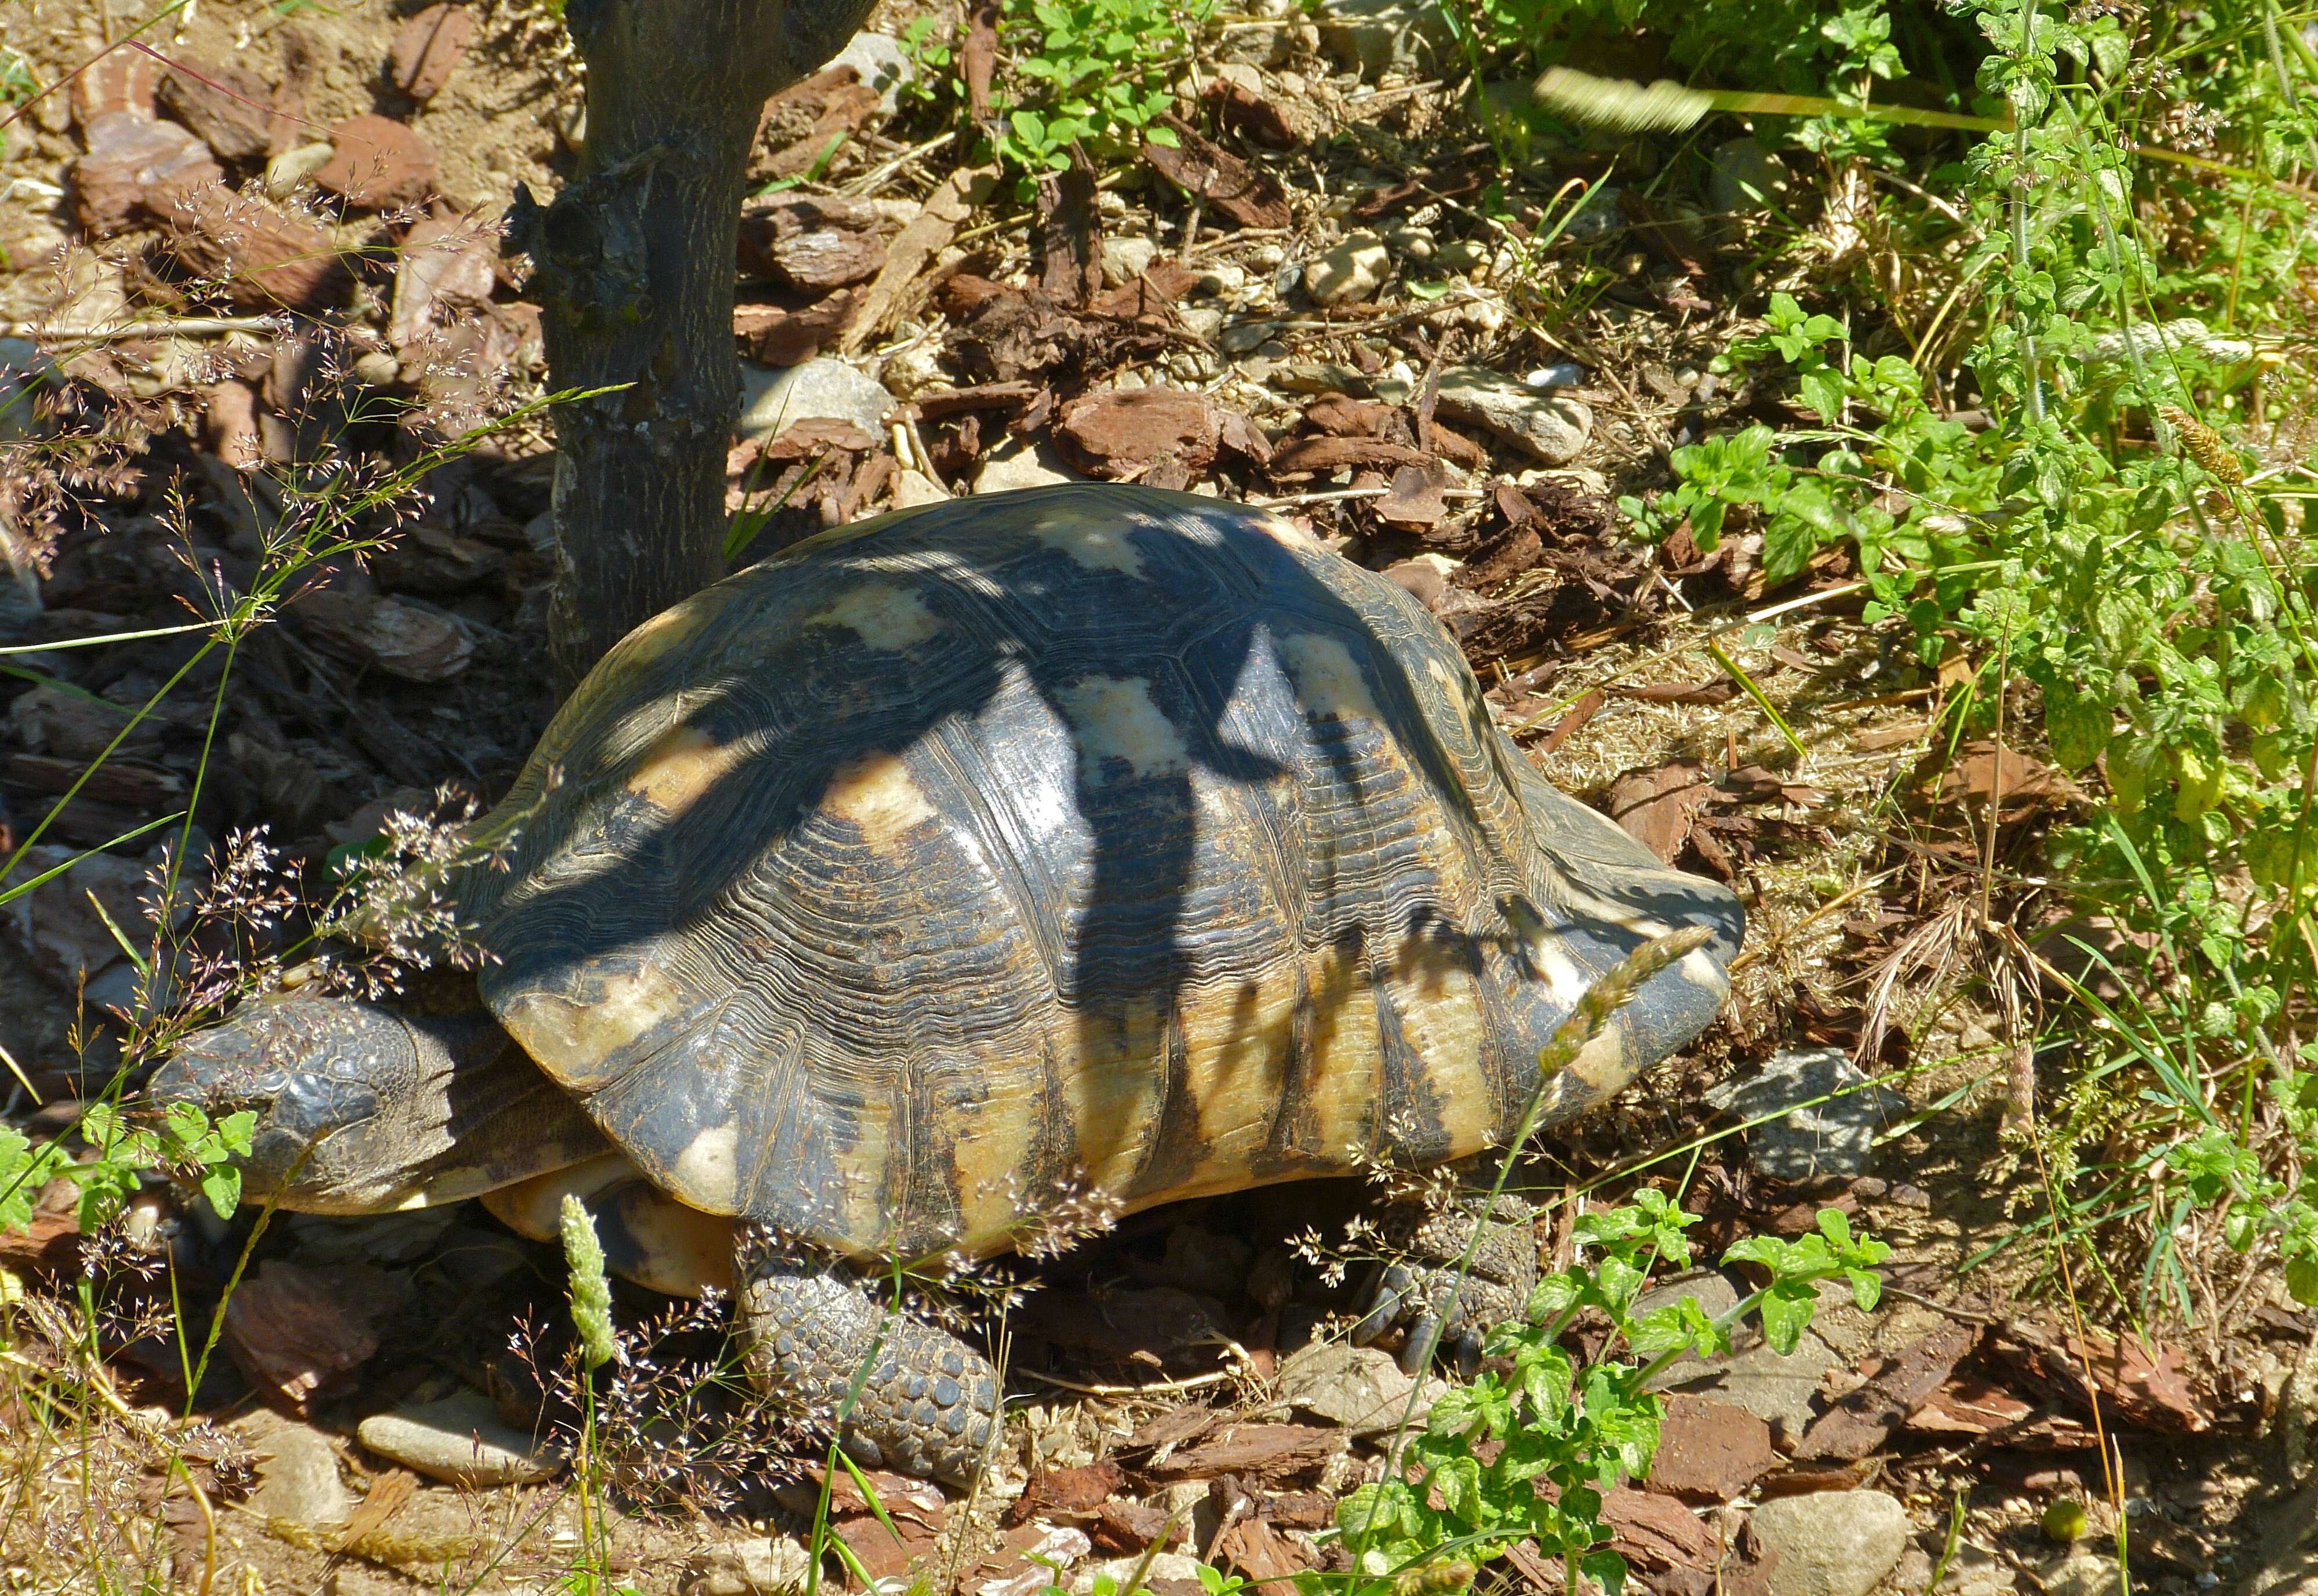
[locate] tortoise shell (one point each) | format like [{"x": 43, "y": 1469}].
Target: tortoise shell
[{"x": 1087, "y": 837}]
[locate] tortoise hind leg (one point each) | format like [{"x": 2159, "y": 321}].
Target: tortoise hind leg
[{"x": 929, "y": 1403}]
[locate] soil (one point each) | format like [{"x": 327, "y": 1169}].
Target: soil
[{"x": 1853, "y": 851}]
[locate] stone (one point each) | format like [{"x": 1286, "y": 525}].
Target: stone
[
  {"x": 427, "y": 48},
  {"x": 824, "y": 390},
  {"x": 1022, "y": 466},
  {"x": 134, "y": 167},
  {"x": 1742, "y": 175},
  {"x": 376, "y": 164},
  {"x": 1351, "y": 271},
  {"x": 1460, "y": 256},
  {"x": 1256, "y": 44},
  {"x": 1781, "y": 1391},
  {"x": 443, "y": 267},
  {"x": 260, "y": 258},
  {"x": 460, "y": 1440},
  {"x": 1163, "y": 1566},
  {"x": 881, "y": 62},
  {"x": 293, "y": 167},
  {"x": 228, "y": 106},
  {"x": 1801, "y": 1136},
  {"x": 297, "y": 1474},
  {"x": 2091, "y": 1574},
  {"x": 1373, "y": 37},
  {"x": 59, "y": 928},
  {"x": 773, "y": 1566},
  {"x": 913, "y": 489},
  {"x": 1361, "y": 1389},
  {"x": 1552, "y": 426},
  {"x": 1221, "y": 280},
  {"x": 1831, "y": 1543},
  {"x": 1126, "y": 259},
  {"x": 118, "y": 81}
]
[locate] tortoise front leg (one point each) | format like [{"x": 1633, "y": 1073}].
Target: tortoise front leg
[{"x": 929, "y": 1403}]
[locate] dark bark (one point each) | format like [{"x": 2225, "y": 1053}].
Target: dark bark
[{"x": 634, "y": 273}]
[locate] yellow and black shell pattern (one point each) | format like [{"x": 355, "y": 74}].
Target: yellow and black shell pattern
[{"x": 1087, "y": 837}]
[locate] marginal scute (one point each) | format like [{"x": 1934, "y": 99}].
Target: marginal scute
[{"x": 1085, "y": 837}]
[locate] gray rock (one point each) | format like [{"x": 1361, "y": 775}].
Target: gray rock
[
  {"x": 2090, "y": 1575},
  {"x": 1222, "y": 279},
  {"x": 1361, "y": 1388},
  {"x": 1743, "y": 175},
  {"x": 1244, "y": 337},
  {"x": 771, "y": 1566},
  {"x": 1257, "y": 44},
  {"x": 1781, "y": 1391},
  {"x": 1126, "y": 259},
  {"x": 1832, "y": 1543},
  {"x": 1166, "y": 1565},
  {"x": 1353, "y": 270},
  {"x": 1021, "y": 467},
  {"x": 1806, "y": 1137},
  {"x": 462, "y": 1440},
  {"x": 1552, "y": 426},
  {"x": 1376, "y": 36},
  {"x": 1461, "y": 255},
  {"x": 884, "y": 64},
  {"x": 297, "y": 1474},
  {"x": 914, "y": 487},
  {"x": 824, "y": 390}
]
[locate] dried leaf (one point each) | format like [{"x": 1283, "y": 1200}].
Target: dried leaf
[{"x": 1658, "y": 808}]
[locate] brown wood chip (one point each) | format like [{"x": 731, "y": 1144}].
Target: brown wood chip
[
  {"x": 1244, "y": 195},
  {"x": 1657, "y": 808},
  {"x": 1170, "y": 1429},
  {"x": 1066, "y": 1490},
  {"x": 1863, "y": 1421},
  {"x": 1260, "y": 1552},
  {"x": 2140, "y": 1386},
  {"x": 1260, "y": 1453}
]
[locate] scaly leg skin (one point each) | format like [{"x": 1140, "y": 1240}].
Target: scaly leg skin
[
  {"x": 1418, "y": 1290},
  {"x": 928, "y": 1404}
]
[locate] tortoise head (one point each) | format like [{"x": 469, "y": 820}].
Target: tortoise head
[{"x": 365, "y": 1106}]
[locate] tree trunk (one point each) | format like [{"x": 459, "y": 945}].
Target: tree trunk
[{"x": 634, "y": 271}]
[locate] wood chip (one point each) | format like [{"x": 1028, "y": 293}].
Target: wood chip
[
  {"x": 1244, "y": 195},
  {"x": 810, "y": 243},
  {"x": 2135, "y": 1384},
  {"x": 427, "y": 48},
  {"x": 1066, "y": 1490},
  {"x": 1170, "y": 1429},
  {"x": 1261, "y": 1551},
  {"x": 297, "y": 1333},
  {"x": 1318, "y": 455},
  {"x": 1659, "y": 1534},
  {"x": 1262, "y": 1453},
  {"x": 1415, "y": 500},
  {"x": 1657, "y": 808},
  {"x": 1583, "y": 711},
  {"x": 445, "y": 266},
  {"x": 1863, "y": 1421},
  {"x": 1721, "y": 690},
  {"x": 124, "y": 79},
  {"x": 945, "y": 211},
  {"x": 1129, "y": 433},
  {"x": 1709, "y": 1450},
  {"x": 406, "y": 641},
  {"x": 774, "y": 336}
]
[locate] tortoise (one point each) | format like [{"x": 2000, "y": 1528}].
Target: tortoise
[{"x": 891, "y": 890}]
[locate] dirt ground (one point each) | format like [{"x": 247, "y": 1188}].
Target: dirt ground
[{"x": 1150, "y": 1371}]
